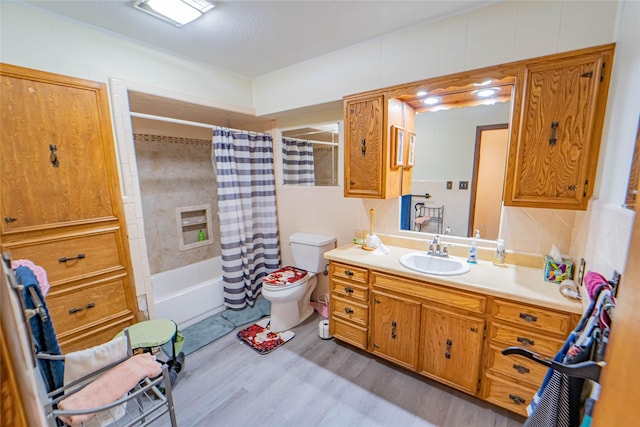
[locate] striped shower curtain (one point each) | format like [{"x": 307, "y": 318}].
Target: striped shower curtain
[
  {"x": 297, "y": 161},
  {"x": 243, "y": 162}
]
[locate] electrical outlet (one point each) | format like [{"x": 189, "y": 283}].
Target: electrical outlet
[
  {"x": 464, "y": 185},
  {"x": 449, "y": 185}
]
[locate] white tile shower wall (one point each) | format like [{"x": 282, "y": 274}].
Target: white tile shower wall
[{"x": 534, "y": 230}]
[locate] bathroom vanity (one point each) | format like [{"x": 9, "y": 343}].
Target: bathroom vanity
[{"x": 451, "y": 328}]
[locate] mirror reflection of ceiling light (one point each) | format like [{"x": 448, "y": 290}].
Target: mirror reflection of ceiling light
[
  {"x": 432, "y": 100},
  {"x": 486, "y": 93},
  {"x": 176, "y": 12},
  {"x": 484, "y": 83},
  {"x": 421, "y": 93}
]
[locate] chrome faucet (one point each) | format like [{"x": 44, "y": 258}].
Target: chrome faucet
[{"x": 437, "y": 249}]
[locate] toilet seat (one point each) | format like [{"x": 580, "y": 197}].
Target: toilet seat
[{"x": 285, "y": 278}]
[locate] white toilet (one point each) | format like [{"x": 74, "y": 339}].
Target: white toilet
[{"x": 289, "y": 288}]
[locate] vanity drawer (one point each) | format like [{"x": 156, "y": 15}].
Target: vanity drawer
[
  {"x": 508, "y": 395},
  {"x": 349, "y": 272},
  {"x": 439, "y": 294},
  {"x": 353, "y": 334},
  {"x": 350, "y": 310},
  {"x": 532, "y": 317},
  {"x": 349, "y": 290},
  {"x": 513, "y": 337},
  {"x": 517, "y": 367},
  {"x": 72, "y": 258},
  {"x": 76, "y": 308}
]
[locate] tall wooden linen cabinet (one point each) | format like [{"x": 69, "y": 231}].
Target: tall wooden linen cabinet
[{"x": 60, "y": 201}]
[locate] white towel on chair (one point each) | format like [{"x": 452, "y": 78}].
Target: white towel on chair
[{"x": 80, "y": 363}]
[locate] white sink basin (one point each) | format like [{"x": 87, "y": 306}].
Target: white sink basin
[{"x": 423, "y": 263}]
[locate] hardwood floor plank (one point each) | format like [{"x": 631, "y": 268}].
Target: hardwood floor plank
[{"x": 312, "y": 382}]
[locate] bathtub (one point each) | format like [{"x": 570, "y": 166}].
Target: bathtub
[{"x": 189, "y": 294}]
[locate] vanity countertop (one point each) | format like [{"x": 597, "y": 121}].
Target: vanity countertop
[{"x": 524, "y": 284}]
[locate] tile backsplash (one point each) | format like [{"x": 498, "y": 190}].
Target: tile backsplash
[{"x": 534, "y": 230}]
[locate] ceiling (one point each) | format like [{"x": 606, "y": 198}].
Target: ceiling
[{"x": 253, "y": 38}]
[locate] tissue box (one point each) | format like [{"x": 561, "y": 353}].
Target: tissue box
[{"x": 556, "y": 272}]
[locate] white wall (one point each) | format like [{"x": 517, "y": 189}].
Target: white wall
[
  {"x": 504, "y": 32},
  {"x": 32, "y": 38}
]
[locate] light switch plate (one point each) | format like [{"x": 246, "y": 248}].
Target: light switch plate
[
  {"x": 449, "y": 185},
  {"x": 464, "y": 185}
]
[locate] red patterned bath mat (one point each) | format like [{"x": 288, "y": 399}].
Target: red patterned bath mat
[{"x": 261, "y": 339}]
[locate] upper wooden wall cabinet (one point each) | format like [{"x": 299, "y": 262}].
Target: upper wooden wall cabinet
[
  {"x": 370, "y": 171},
  {"x": 558, "y": 106},
  {"x": 60, "y": 202},
  {"x": 555, "y": 138}
]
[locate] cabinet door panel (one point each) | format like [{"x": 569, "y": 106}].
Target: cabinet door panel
[
  {"x": 395, "y": 329},
  {"x": 557, "y": 130},
  {"x": 452, "y": 346},
  {"x": 43, "y": 123},
  {"x": 364, "y": 148}
]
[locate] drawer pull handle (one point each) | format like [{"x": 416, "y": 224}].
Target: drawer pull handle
[
  {"x": 348, "y": 310},
  {"x": 525, "y": 341},
  {"x": 8, "y": 219},
  {"x": 447, "y": 354},
  {"x": 393, "y": 329},
  {"x": 528, "y": 317},
  {"x": 54, "y": 155},
  {"x": 521, "y": 369},
  {"x": 65, "y": 259},
  {"x": 75, "y": 310},
  {"x": 516, "y": 399},
  {"x": 348, "y": 290},
  {"x": 348, "y": 273}
]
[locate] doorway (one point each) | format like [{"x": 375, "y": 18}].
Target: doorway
[{"x": 488, "y": 180}]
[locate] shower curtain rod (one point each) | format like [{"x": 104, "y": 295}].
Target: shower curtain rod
[
  {"x": 183, "y": 122},
  {"x": 312, "y": 141}
]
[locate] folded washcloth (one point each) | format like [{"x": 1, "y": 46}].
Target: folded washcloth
[
  {"x": 41, "y": 274},
  {"x": 81, "y": 363},
  {"x": 110, "y": 387}
]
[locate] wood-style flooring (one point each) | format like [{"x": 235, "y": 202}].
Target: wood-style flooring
[{"x": 312, "y": 382}]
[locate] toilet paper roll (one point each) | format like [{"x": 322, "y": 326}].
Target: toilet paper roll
[{"x": 323, "y": 329}]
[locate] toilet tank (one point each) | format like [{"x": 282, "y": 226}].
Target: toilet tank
[{"x": 308, "y": 250}]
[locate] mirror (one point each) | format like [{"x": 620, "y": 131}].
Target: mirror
[
  {"x": 310, "y": 155},
  {"x": 460, "y": 160}
]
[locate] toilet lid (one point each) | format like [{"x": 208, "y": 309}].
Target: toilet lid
[{"x": 285, "y": 277}]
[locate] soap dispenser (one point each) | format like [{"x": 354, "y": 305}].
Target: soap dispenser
[
  {"x": 201, "y": 236},
  {"x": 473, "y": 249}
]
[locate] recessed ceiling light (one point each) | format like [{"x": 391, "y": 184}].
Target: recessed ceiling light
[
  {"x": 484, "y": 83},
  {"x": 486, "y": 93},
  {"x": 421, "y": 93},
  {"x": 432, "y": 100},
  {"x": 176, "y": 12}
]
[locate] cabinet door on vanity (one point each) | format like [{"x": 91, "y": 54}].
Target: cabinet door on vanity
[
  {"x": 451, "y": 347},
  {"x": 554, "y": 155},
  {"x": 395, "y": 329},
  {"x": 364, "y": 147}
]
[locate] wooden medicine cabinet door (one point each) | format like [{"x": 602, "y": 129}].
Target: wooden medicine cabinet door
[
  {"x": 554, "y": 152},
  {"x": 365, "y": 122}
]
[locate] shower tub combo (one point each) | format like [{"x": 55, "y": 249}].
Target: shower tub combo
[{"x": 190, "y": 293}]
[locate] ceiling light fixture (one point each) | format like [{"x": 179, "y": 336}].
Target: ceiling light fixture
[
  {"x": 421, "y": 93},
  {"x": 486, "y": 93},
  {"x": 484, "y": 83},
  {"x": 432, "y": 100},
  {"x": 176, "y": 12}
]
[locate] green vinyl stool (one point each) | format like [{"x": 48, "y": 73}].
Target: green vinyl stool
[{"x": 150, "y": 335}]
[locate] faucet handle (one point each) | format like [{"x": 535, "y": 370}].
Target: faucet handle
[
  {"x": 445, "y": 250},
  {"x": 436, "y": 240}
]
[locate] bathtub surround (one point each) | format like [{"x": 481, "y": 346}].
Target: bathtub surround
[
  {"x": 243, "y": 162},
  {"x": 174, "y": 172}
]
